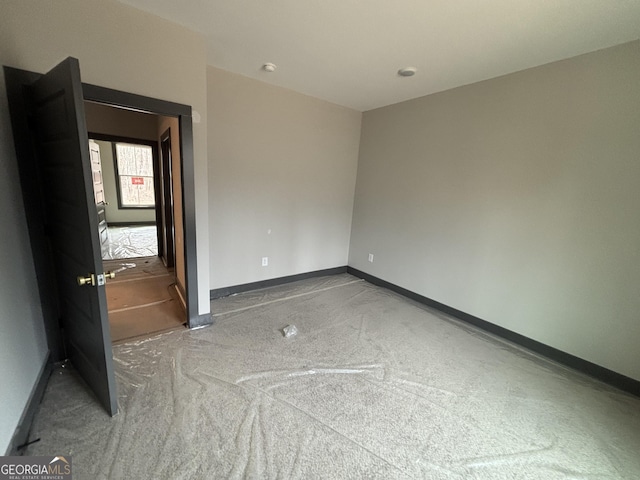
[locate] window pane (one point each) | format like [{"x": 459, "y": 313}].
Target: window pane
[
  {"x": 135, "y": 171},
  {"x": 145, "y": 167},
  {"x": 136, "y": 191},
  {"x": 126, "y": 164}
]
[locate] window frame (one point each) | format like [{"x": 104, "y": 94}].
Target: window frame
[{"x": 121, "y": 206}]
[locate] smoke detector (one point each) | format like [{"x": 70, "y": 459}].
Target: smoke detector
[
  {"x": 407, "y": 71},
  {"x": 269, "y": 67}
]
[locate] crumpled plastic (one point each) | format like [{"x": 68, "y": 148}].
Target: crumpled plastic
[
  {"x": 377, "y": 387},
  {"x": 290, "y": 331},
  {"x": 131, "y": 242}
]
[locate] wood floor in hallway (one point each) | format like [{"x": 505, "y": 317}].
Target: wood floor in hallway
[{"x": 142, "y": 299}]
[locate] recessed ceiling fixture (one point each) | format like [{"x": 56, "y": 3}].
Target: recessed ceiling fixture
[
  {"x": 269, "y": 67},
  {"x": 407, "y": 71}
]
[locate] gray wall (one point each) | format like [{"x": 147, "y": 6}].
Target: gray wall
[
  {"x": 23, "y": 346},
  {"x": 516, "y": 200},
  {"x": 282, "y": 169}
]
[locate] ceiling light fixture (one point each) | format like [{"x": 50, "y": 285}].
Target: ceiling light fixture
[
  {"x": 407, "y": 71},
  {"x": 269, "y": 67}
]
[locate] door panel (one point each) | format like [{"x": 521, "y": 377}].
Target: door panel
[{"x": 71, "y": 218}]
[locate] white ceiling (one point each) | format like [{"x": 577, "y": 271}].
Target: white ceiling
[{"x": 349, "y": 51}]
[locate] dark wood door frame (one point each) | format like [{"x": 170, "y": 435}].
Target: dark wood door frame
[
  {"x": 166, "y": 184},
  {"x": 141, "y": 103}
]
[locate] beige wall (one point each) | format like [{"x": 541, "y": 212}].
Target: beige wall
[
  {"x": 122, "y": 48},
  {"x": 516, "y": 200},
  {"x": 162, "y": 125},
  {"x": 283, "y": 163}
]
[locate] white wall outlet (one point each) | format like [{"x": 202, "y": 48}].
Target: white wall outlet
[
  {"x": 265, "y": 261},
  {"x": 371, "y": 257}
]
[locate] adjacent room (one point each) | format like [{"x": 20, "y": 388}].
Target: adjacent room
[{"x": 321, "y": 240}]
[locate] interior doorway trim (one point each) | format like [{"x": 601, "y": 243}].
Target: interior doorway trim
[
  {"x": 141, "y": 103},
  {"x": 166, "y": 237}
]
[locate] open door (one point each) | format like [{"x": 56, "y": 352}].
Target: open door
[
  {"x": 47, "y": 115},
  {"x": 57, "y": 119}
]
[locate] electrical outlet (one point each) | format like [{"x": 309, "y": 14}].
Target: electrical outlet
[
  {"x": 371, "y": 257},
  {"x": 265, "y": 261}
]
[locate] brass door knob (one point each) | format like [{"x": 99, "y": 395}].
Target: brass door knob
[
  {"x": 88, "y": 280},
  {"x": 95, "y": 280}
]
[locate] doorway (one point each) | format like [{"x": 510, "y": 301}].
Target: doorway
[
  {"x": 136, "y": 212},
  {"x": 51, "y": 143},
  {"x": 182, "y": 140},
  {"x": 19, "y": 83}
]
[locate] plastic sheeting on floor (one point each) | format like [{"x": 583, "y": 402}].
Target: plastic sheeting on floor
[
  {"x": 131, "y": 242},
  {"x": 372, "y": 386}
]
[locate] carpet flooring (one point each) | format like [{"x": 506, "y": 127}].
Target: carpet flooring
[{"x": 372, "y": 386}]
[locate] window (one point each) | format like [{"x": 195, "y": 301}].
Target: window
[{"x": 134, "y": 172}]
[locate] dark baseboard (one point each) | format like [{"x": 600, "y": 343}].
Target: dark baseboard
[
  {"x": 201, "y": 321},
  {"x": 130, "y": 224},
  {"x": 226, "y": 291},
  {"x": 21, "y": 434},
  {"x": 603, "y": 374}
]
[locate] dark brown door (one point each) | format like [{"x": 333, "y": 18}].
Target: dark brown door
[{"x": 71, "y": 219}]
